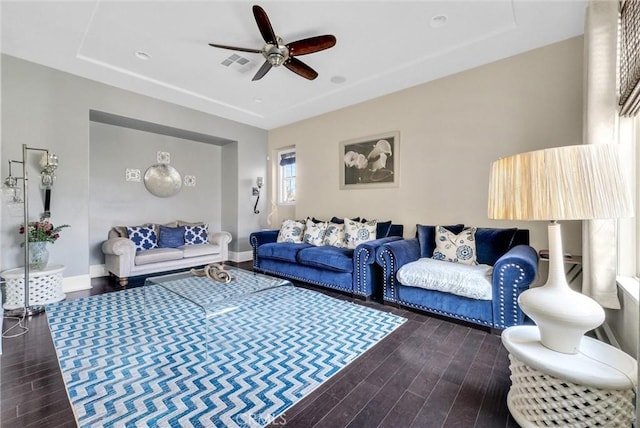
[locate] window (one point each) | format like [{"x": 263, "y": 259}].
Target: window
[
  {"x": 629, "y": 228},
  {"x": 287, "y": 177}
]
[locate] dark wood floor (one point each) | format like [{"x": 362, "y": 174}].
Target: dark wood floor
[{"x": 428, "y": 373}]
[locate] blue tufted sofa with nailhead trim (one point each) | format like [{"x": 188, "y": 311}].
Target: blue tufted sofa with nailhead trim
[
  {"x": 353, "y": 271},
  {"x": 514, "y": 262}
]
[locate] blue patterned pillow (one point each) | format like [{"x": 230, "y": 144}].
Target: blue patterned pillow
[
  {"x": 314, "y": 232},
  {"x": 194, "y": 235},
  {"x": 457, "y": 248},
  {"x": 291, "y": 231},
  {"x": 144, "y": 237},
  {"x": 355, "y": 233},
  {"x": 171, "y": 237}
]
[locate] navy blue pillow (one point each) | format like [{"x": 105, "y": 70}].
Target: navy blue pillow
[
  {"x": 491, "y": 244},
  {"x": 427, "y": 237},
  {"x": 338, "y": 220},
  {"x": 382, "y": 229},
  {"x": 171, "y": 237}
]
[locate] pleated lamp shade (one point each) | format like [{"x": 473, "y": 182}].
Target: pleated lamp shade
[{"x": 562, "y": 183}]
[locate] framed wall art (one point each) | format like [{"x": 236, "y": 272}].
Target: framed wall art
[{"x": 372, "y": 161}]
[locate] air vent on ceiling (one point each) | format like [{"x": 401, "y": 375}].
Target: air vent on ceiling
[{"x": 239, "y": 63}]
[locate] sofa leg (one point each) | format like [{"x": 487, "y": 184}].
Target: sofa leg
[{"x": 123, "y": 282}]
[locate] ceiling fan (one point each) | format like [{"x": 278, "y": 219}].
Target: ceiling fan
[{"x": 276, "y": 53}]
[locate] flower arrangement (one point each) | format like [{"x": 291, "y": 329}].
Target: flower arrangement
[{"x": 42, "y": 231}]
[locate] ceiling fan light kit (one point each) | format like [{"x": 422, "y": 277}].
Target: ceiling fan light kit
[{"x": 276, "y": 53}]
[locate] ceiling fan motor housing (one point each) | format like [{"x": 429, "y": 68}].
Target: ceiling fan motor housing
[{"x": 276, "y": 55}]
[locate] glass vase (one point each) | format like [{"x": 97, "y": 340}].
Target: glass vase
[{"x": 38, "y": 255}]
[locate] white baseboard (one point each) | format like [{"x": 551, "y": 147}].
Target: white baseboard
[
  {"x": 96, "y": 271},
  {"x": 243, "y": 256},
  {"x": 76, "y": 283}
]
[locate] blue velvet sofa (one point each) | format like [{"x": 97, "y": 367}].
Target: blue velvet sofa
[
  {"x": 349, "y": 270},
  {"x": 514, "y": 264}
]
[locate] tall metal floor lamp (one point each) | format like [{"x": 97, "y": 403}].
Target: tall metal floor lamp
[{"x": 48, "y": 163}]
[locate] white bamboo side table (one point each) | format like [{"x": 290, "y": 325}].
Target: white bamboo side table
[
  {"x": 45, "y": 286},
  {"x": 594, "y": 387}
]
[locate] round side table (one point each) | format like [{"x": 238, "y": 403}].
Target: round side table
[
  {"x": 45, "y": 286},
  {"x": 594, "y": 387}
]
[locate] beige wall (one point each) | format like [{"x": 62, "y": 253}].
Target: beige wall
[{"x": 451, "y": 130}]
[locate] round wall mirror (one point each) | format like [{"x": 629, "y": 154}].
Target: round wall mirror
[{"x": 162, "y": 180}]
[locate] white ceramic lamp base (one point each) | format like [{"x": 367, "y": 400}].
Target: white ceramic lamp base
[{"x": 562, "y": 315}]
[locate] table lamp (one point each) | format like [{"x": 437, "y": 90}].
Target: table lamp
[{"x": 562, "y": 183}]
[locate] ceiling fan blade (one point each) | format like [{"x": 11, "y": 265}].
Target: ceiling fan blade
[
  {"x": 311, "y": 45},
  {"x": 300, "y": 68},
  {"x": 264, "y": 25},
  {"x": 263, "y": 70},
  {"x": 233, "y": 48}
]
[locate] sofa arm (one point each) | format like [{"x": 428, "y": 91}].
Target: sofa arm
[
  {"x": 366, "y": 274},
  {"x": 220, "y": 238},
  {"x": 512, "y": 274},
  {"x": 365, "y": 253},
  {"x": 259, "y": 238},
  {"x": 391, "y": 256},
  {"x": 263, "y": 237},
  {"x": 119, "y": 256},
  {"x": 119, "y": 247}
]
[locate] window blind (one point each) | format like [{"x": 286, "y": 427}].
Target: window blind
[{"x": 629, "y": 57}]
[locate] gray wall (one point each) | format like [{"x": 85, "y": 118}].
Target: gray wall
[
  {"x": 47, "y": 108},
  {"x": 115, "y": 201}
]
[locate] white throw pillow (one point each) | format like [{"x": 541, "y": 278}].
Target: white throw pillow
[
  {"x": 314, "y": 232},
  {"x": 355, "y": 233},
  {"x": 464, "y": 280},
  {"x": 334, "y": 235},
  {"x": 291, "y": 231},
  {"x": 459, "y": 248}
]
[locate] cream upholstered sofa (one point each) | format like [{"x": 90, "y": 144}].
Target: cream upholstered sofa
[{"x": 150, "y": 248}]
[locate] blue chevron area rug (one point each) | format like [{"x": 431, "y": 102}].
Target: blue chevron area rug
[{"x": 137, "y": 358}]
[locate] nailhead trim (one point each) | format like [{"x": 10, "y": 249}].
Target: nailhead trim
[
  {"x": 514, "y": 294},
  {"x": 254, "y": 244},
  {"x": 307, "y": 280},
  {"x": 360, "y": 277},
  {"x": 390, "y": 284}
]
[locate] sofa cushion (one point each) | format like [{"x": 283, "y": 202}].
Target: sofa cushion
[
  {"x": 286, "y": 251},
  {"x": 427, "y": 237},
  {"x": 200, "y": 250},
  {"x": 143, "y": 237},
  {"x": 314, "y": 232},
  {"x": 332, "y": 258},
  {"x": 156, "y": 255},
  {"x": 195, "y": 235},
  {"x": 356, "y": 233},
  {"x": 491, "y": 244},
  {"x": 170, "y": 237},
  {"x": 460, "y": 248},
  {"x": 464, "y": 280},
  {"x": 291, "y": 231},
  {"x": 334, "y": 236}
]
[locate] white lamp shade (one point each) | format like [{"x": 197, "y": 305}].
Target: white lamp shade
[{"x": 562, "y": 183}]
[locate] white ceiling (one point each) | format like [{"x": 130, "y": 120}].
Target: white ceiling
[{"x": 382, "y": 47}]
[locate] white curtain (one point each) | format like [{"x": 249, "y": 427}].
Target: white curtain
[{"x": 599, "y": 240}]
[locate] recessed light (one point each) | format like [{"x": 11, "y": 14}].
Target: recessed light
[
  {"x": 338, "y": 79},
  {"x": 143, "y": 55},
  {"x": 438, "y": 21}
]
